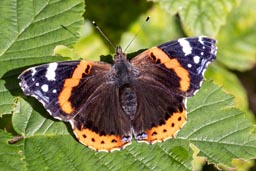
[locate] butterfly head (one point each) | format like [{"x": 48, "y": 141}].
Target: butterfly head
[{"x": 119, "y": 56}]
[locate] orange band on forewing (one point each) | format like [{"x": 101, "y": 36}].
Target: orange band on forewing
[
  {"x": 70, "y": 82},
  {"x": 83, "y": 67},
  {"x": 63, "y": 100},
  {"x": 171, "y": 63},
  {"x": 181, "y": 72}
]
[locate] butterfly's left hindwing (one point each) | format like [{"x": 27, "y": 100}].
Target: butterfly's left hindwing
[{"x": 101, "y": 123}]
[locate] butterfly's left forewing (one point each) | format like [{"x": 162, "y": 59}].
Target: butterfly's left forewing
[
  {"x": 45, "y": 82},
  {"x": 52, "y": 84}
]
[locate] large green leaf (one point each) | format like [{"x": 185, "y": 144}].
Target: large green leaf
[
  {"x": 216, "y": 73},
  {"x": 224, "y": 132},
  {"x": 200, "y": 17},
  {"x": 31, "y": 29}
]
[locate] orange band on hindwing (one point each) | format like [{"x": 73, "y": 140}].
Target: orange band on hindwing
[
  {"x": 169, "y": 129},
  {"x": 83, "y": 68},
  {"x": 100, "y": 142},
  {"x": 157, "y": 55}
]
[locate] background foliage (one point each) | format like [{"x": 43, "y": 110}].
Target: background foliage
[{"x": 217, "y": 131}]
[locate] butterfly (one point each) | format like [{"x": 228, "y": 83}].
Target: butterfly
[{"x": 109, "y": 104}]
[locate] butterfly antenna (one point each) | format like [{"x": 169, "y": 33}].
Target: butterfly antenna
[
  {"x": 75, "y": 35},
  {"x": 103, "y": 34},
  {"x": 137, "y": 33}
]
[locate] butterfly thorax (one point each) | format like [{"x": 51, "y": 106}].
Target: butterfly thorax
[
  {"x": 122, "y": 72},
  {"x": 123, "y": 75}
]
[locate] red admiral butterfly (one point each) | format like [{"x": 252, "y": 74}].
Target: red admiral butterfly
[{"x": 107, "y": 105}]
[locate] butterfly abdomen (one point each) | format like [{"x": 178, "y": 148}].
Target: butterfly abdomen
[{"x": 128, "y": 101}]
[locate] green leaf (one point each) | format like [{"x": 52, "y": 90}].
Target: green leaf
[
  {"x": 216, "y": 72},
  {"x": 237, "y": 38},
  {"x": 12, "y": 157},
  {"x": 8, "y": 104},
  {"x": 200, "y": 17},
  {"x": 90, "y": 46},
  {"x": 28, "y": 122},
  {"x": 31, "y": 29},
  {"x": 217, "y": 128}
]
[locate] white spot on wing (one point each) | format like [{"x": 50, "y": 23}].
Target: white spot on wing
[
  {"x": 33, "y": 70},
  {"x": 50, "y": 73},
  {"x": 45, "y": 87},
  {"x": 200, "y": 39},
  {"x": 37, "y": 84},
  {"x": 196, "y": 59},
  {"x": 187, "y": 49},
  {"x": 202, "y": 53},
  {"x": 54, "y": 91},
  {"x": 189, "y": 65}
]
